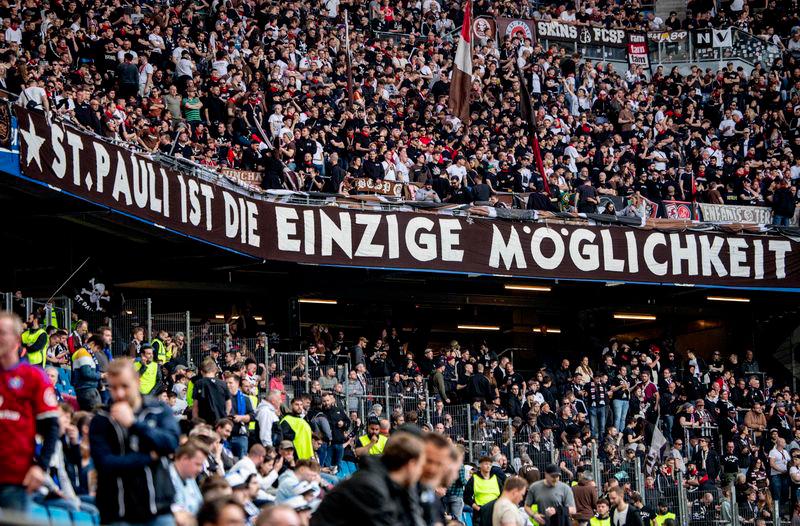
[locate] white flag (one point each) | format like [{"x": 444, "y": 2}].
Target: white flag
[
  {"x": 722, "y": 37},
  {"x": 658, "y": 444}
]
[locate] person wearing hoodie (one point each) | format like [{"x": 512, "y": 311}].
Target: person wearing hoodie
[{"x": 268, "y": 414}]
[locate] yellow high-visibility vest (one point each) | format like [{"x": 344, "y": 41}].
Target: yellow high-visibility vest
[
  {"x": 659, "y": 519},
  {"x": 147, "y": 379},
  {"x": 302, "y": 436},
  {"x": 161, "y": 351},
  {"x": 35, "y": 356},
  {"x": 377, "y": 447},
  {"x": 597, "y": 521},
  {"x": 485, "y": 490},
  {"x": 253, "y": 400}
]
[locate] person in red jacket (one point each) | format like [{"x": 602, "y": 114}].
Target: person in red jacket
[{"x": 28, "y": 405}]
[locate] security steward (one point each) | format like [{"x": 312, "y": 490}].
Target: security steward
[
  {"x": 373, "y": 442},
  {"x": 149, "y": 371},
  {"x": 35, "y": 341},
  {"x": 295, "y": 428},
  {"x": 602, "y": 518},
  {"x": 663, "y": 514},
  {"x": 161, "y": 349},
  {"x": 483, "y": 487}
]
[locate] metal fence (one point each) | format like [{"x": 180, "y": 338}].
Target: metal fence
[
  {"x": 204, "y": 336},
  {"x": 57, "y": 312},
  {"x": 178, "y": 325},
  {"x": 8, "y": 301},
  {"x": 134, "y": 313}
]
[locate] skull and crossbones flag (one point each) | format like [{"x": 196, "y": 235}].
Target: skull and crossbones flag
[{"x": 92, "y": 292}]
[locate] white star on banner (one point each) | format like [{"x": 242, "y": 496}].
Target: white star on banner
[{"x": 34, "y": 143}]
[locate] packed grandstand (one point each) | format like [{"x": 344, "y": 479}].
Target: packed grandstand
[{"x": 611, "y": 142}]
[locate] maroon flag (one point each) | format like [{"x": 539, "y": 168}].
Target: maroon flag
[
  {"x": 526, "y": 109},
  {"x": 461, "y": 81}
]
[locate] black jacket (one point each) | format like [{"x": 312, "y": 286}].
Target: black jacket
[
  {"x": 334, "y": 414},
  {"x": 368, "y": 498},
  {"x": 632, "y": 517},
  {"x": 131, "y": 486}
]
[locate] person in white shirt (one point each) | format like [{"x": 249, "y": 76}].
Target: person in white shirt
[
  {"x": 14, "y": 32},
  {"x": 145, "y": 76},
  {"x": 457, "y": 169},
  {"x": 659, "y": 160},
  {"x": 251, "y": 464},
  {"x": 332, "y": 6},
  {"x": 401, "y": 164},
  {"x": 572, "y": 152},
  {"x": 778, "y": 463},
  {"x": 568, "y": 15},
  {"x": 727, "y": 126},
  {"x": 34, "y": 96},
  {"x": 389, "y": 170}
]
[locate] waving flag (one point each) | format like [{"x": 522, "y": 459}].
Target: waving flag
[
  {"x": 526, "y": 109},
  {"x": 461, "y": 81}
]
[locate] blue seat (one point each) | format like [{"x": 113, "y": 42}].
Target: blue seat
[
  {"x": 82, "y": 518},
  {"x": 59, "y": 516},
  {"x": 467, "y": 517},
  {"x": 38, "y": 514}
]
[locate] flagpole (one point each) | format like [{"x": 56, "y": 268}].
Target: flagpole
[
  {"x": 527, "y": 105},
  {"x": 349, "y": 59},
  {"x": 537, "y": 154},
  {"x": 67, "y": 280}
]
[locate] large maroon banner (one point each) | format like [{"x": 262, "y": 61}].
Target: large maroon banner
[{"x": 79, "y": 164}]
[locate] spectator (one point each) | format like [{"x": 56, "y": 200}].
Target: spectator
[
  {"x": 506, "y": 510},
  {"x": 380, "y": 493},
  {"x": 183, "y": 471},
  {"x": 212, "y": 399},
  {"x": 34, "y": 403},
  {"x": 85, "y": 376},
  {"x": 547, "y": 497},
  {"x": 133, "y": 484}
]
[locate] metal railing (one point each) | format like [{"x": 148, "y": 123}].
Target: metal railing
[{"x": 746, "y": 47}]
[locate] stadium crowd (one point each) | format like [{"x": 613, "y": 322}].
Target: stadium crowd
[
  {"x": 148, "y": 438},
  {"x": 263, "y": 85}
]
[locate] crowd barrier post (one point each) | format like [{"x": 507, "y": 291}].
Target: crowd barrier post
[
  {"x": 346, "y": 395},
  {"x": 28, "y": 307},
  {"x": 427, "y": 405},
  {"x": 598, "y": 473},
  {"x": 68, "y": 315},
  {"x": 149, "y": 336},
  {"x": 639, "y": 475},
  {"x": 266, "y": 354},
  {"x": 387, "y": 405},
  {"x": 776, "y": 512},
  {"x": 188, "y": 338},
  {"x": 228, "y": 344},
  {"x": 8, "y": 301},
  {"x": 683, "y": 508},
  {"x": 308, "y": 371},
  {"x": 734, "y": 506},
  {"x": 48, "y": 313},
  {"x": 470, "y": 445},
  {"x": 511, "y": 452}
]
